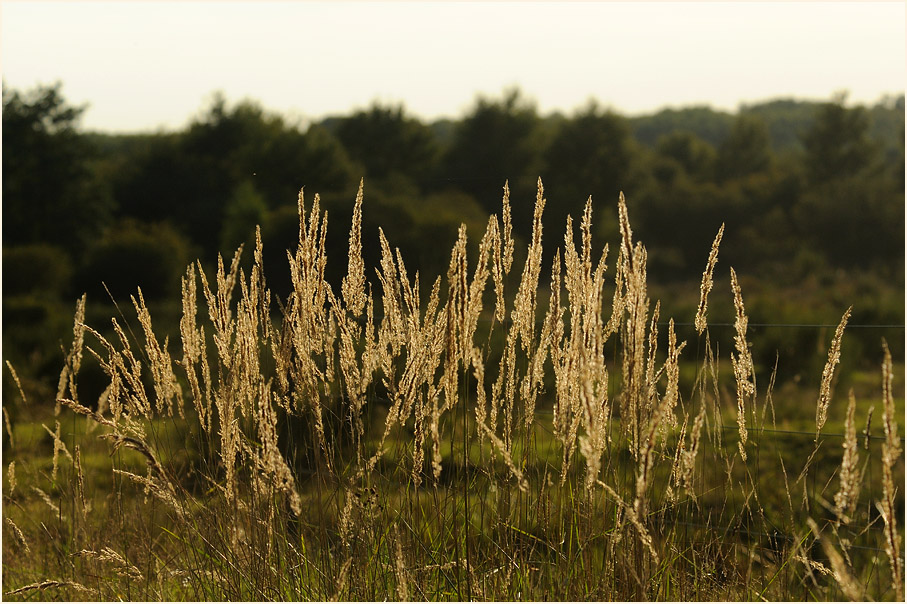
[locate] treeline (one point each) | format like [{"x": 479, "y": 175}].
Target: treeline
[{"x": 812, "y": 194}]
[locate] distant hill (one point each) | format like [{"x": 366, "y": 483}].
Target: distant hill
[{"x": 787, "y": 120}]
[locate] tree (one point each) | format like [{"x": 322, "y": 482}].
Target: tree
[
  {"x": 746, "y": 150},
  {"x": 496, "y": 142},
  {"x": 706, "y": 123},
  {"x": 853, "y": 208},
  {"x": 694, "y": 155},
  {"x": 50, "y": 193},
  {"x": 385, "y": 141},
  {"x": 838, "y": 144},
  {"x": 190, "y": 178},
  {"x": 245, "y": 210},
  {"x": 590, "y": 154}
]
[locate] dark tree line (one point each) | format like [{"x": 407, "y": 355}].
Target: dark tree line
[{"x": 805, "y": 189}]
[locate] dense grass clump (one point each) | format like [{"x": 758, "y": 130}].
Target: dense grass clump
[{"x": 493, "y": 439}]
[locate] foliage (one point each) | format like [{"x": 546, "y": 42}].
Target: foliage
[
  {"x": 130, "y": 254},
  {"x": 40, "y": 269},
  {"x": 50, "y": 194},
  {"x": 746, "y": 150},
  {"x": 385, "y": 142},
  {"x": 707, "y": 124},
  {"x": 494, "y": 142},
  {"x": 245, "y": 210},
  {"x": 809, "y": 190},
  {"x": 838, "y": 144},
  {"x": 595, "y": 150}
]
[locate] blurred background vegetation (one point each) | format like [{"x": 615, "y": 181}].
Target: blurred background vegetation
[{"x": 812, "y": 194}]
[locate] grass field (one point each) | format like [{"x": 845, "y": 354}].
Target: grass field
[{"x": 498, "y": 435}]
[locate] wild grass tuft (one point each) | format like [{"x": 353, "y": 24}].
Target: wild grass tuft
[{"x": 404, "y": 437}]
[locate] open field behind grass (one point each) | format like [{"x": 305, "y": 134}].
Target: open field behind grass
[{"x": 541, "y": 435}]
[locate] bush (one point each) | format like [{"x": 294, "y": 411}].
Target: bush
[
  {"x": 40, "y": 269},
  {"x": 131, "y": 255}
]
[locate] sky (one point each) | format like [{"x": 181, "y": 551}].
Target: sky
[{"x": 148, "y": 66}]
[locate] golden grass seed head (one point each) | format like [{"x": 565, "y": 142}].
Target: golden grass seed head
[
  {"x": 9, "y": 427},
  {"x": 59, "y": 446},
  {"x": 688, "y": 462},
  {"x": 108, "y": 555},
  {"x": 17, "y": 533},
  {"x": 825, "y": 389},
  {"x": 42, "y": 585},
  {"x": 12, "y": 371},
  {"x": 80, "y": 479},
  {"x": 508, "y": 230},
  {"x": 353, "y": 285},
  {"x": 892, "y": 448},
  {"x": 626, "y": 232},
  {"x": 342, "y": 579},
  {"x": 848, "y": 474},
  {"x": 46, "y": 499},
  {"x": 11, "y": 477},
  {"x": 742, "y": 364},
  {"x": 891, "y": 452},
  {"x": 706, "y": 286},
  {"x": 400, "y": 568},
  {"x": 841, "y": 572}
]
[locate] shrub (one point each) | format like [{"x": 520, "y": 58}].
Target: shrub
[
  {"x": 38, "y": 269},
  {"x": 130, "y": 254}
]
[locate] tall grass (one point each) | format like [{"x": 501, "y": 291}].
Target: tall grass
[{"x": 477, "y": 442}]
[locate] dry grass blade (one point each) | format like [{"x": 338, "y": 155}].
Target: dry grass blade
[
  {"x": 688, "y": 459},
  {"x": 891, "y": 451},
  {"x": 867, "y": 430},
  {"x": 353, "y": 285},
  {"x": 73, "y": 359},
  {"x": 48, "y": 585},
  {"x": 656, "y": 421},
  {"x": 46, "y": 499},
  {"x": 635, "y": 401},
  {"x": 80, "y": 480},
  {"x": 743, "y": 365},
  {"x": 400, "y": 568},
  {"x": 828, "y": 373},
  {"x": 706, "y": 286},
  {"x": 626, "y": 233},
  {"x": 163, "y": 491},
  {"x": 193, "y": 339},
  {"x": 166, "y": 388},
  {"x": 11, "y": 477},
  {"x": 108, "y": 555},
  {"x": 507, "y": 234},
  {"x": 644, "y": 536},
  {"x": 135, "y": 444},
  {"x": 269, "y": 460},
  {"x": 12, "y": 371},
  {"x": 523, "y": 314},
  {"x": 18, "y": 534},
  {"x": 342, "y": 578},
  {"x": 59, "y": 446},
  {"x": 502, "y": 449},
  {"x": 849, "y": 474},
  {"x": 842, "y": 574},
  {"x": 8, "y": 426}
]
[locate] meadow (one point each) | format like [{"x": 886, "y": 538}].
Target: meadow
[{"x": 488, "y": 434}]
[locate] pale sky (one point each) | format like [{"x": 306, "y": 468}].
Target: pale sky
[{"x": 142, "y": 66}]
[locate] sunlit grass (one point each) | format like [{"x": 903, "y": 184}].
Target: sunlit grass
[{"x": 380, "y": 441}]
